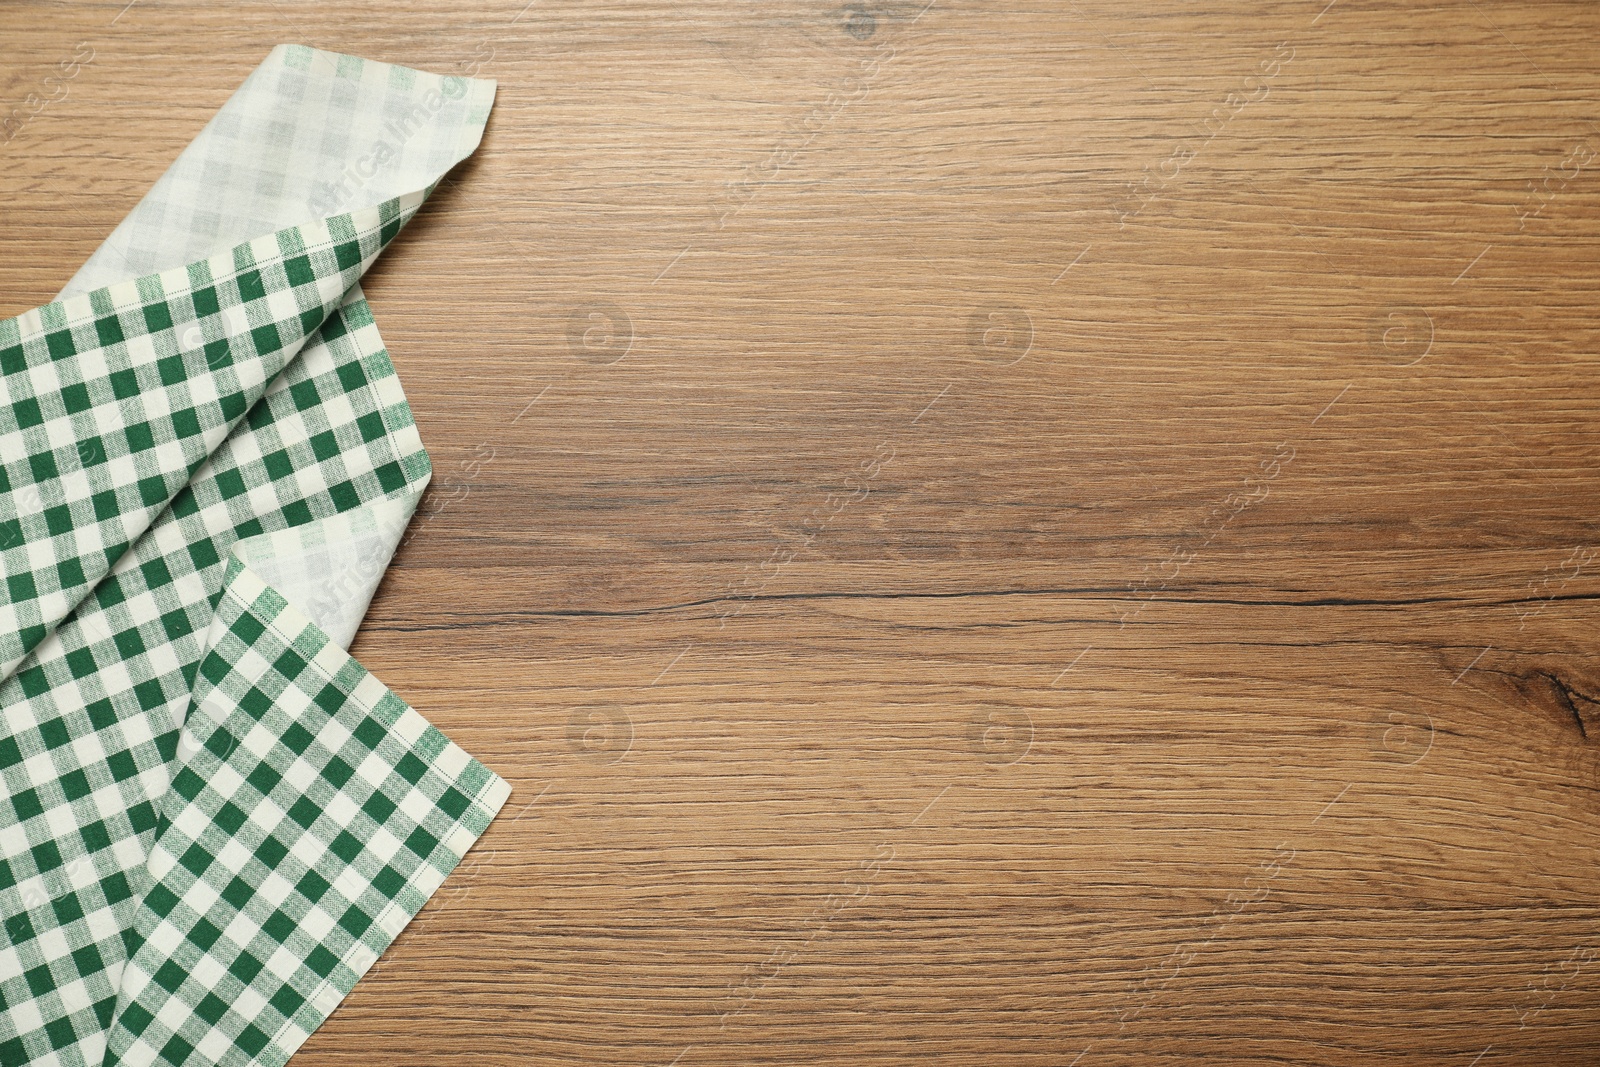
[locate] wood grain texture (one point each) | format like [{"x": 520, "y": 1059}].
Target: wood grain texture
[{"x": 1045, "y": 533}]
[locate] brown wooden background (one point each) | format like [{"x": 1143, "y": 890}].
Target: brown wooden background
[{"x": 1050, "y": 532}]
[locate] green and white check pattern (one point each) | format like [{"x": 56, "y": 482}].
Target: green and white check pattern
[
  {"x": 314, "y": 816},
  {"x": 215, "y": 820}
]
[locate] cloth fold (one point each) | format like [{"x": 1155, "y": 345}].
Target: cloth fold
[{"x": 215, "y": 819}]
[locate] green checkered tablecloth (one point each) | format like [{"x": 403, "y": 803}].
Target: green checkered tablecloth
[{"x": 214, "y": 819}]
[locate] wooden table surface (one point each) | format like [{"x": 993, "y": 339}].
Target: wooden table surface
[{"x": 1048, "y": 533}]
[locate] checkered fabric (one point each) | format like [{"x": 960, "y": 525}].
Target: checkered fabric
[{"x": 215, "y": 820}]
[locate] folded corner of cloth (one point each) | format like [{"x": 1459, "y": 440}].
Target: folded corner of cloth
[{"x": 215, "y": 819}]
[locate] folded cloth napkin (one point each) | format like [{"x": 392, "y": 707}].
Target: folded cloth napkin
[{"x": 214, "y": 820}]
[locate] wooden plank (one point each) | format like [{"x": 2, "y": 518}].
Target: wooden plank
[{"x": 1059, "y": 533}]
